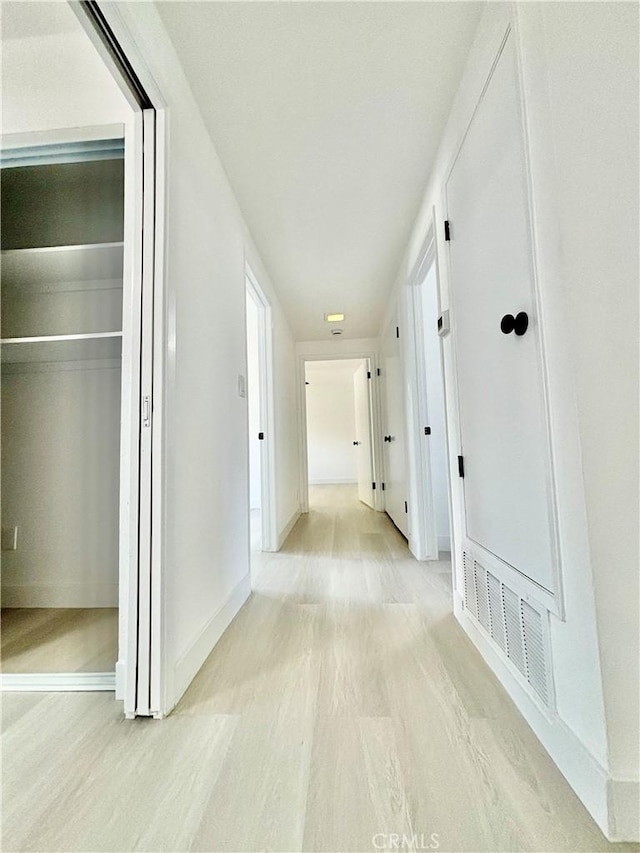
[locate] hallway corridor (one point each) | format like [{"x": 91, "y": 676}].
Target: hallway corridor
[{"x": 343, "y": 707}]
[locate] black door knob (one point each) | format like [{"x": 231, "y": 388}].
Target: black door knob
[
  {"x": 387, "y": 438},
  {"x": 356, "y": 443},
  {"x": 518, "y": 324}
]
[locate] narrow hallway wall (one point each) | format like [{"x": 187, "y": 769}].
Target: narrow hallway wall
[
  {"x": 582, "y": 113},
  {"x": 206, "y": 554}
]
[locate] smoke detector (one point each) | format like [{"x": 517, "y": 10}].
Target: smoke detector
[{"x": 336, "y": 332}]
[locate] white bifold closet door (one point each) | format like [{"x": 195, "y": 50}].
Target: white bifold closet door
[{"x": 505, "y": 447}]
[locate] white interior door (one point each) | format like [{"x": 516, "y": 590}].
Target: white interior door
[
  {"x": 436, "y": 442},
  {"x": 362, "y": 397},
  {"x": 395, "y": 475},
  {"x": 501, "y": 400}
]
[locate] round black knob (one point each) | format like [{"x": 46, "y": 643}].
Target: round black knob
[
  {"x": 356, "y": 443},
  {"x": 387, "y": 438},
  {"x": 518, "y": 324},
  {"x": 521, "y": 323},
  {"x": 507, "y": 324}
]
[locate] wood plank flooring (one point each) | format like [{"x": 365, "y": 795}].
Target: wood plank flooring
[
  {"x": 42, "y": 639},
  {"x": 343, "y": 708}
]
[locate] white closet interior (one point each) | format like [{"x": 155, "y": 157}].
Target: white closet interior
[{"x": 62, "y": 286}]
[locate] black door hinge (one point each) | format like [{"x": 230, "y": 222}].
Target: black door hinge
[
  {"x": 406, "y": 507},
  {"x": 460, "y": 466},
  {"x": 382, "y": 486},
  {"x": 378, "y": 372},
  {"x": 368, "y": 374},
  {"x": 447, "y": 230},
  {"x": 427, "y": 430},
  {"x": 397, "y": 331},
  {"x": 260, "y": 436},
  {"x": 373, "y": 486}
]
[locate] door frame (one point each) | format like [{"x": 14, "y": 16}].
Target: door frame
[
  {"x": 267, "y": 411},
  {"x": 366, "y": 365},
  {"x": 422, "y": 519},
  {"x": 376, "y": 451}
]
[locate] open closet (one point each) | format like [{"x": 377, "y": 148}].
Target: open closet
[{"x": 62, "y": 286}]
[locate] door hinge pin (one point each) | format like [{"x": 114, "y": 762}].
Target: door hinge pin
[
  {"x": 460, "y": 466},
  {"x": 447, "y": 230}
]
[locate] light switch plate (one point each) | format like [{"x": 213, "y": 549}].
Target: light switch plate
[
  {"x": 242, "y": 386},
  {"x": 9, "y": 538}
]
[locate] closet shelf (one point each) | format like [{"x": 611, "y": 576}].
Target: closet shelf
[
  {"x": 51, "y": 266},
  {"x": 62, "y": 348}
]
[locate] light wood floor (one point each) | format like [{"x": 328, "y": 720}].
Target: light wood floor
[
  {"x": 59, "y": 639},
  {"x": 343, "y": 703}
]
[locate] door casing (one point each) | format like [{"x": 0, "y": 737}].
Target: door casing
[
  {"x": 267, "y": 412},
  {"x": 372, "y": 358}
]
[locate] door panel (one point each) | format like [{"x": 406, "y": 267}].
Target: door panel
[
  {"x": 395, "y": 474},
  {"x": 363, "y": 435},
  {"x": 501, "y": 398}
]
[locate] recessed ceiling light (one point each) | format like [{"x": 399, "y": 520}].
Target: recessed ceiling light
[{"x": 334, "y": 318}]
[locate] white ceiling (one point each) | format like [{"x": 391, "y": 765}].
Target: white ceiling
[{"x": 326, "y": 116}]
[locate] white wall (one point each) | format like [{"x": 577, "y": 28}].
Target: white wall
[
  {"x": 56, "y": 81},
  {"x": 60, "y": 464},
  {"x": 206, "y": 551},
  {"x": 592, "y": 60},
  {"x": 331, "y": 425},
  {"x": 580, "y": 66}
]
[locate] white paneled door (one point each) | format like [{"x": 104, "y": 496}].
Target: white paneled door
[
  {"x": 364, "y": 458},
  {"x": 393, "y": 420},
  {"x": 507, "y": 479}
]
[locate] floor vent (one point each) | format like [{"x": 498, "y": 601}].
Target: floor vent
[{"x": 514, "y": 625}]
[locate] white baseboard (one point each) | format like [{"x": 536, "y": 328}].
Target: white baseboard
[
  {"x": 191, "y": 660},
  {"x": 332, "y": 482},
  {"x": 444, "y": 543},
  {"x": 53, "y": 682},
  {"x": 624, "y": 810},
  {"x": 286, "y": 530},
  {"x": 610, "y": 803},
  {"x": 60, "y": 595}
]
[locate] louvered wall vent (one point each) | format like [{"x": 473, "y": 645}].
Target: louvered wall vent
[{"x": 516, "y": 627}]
